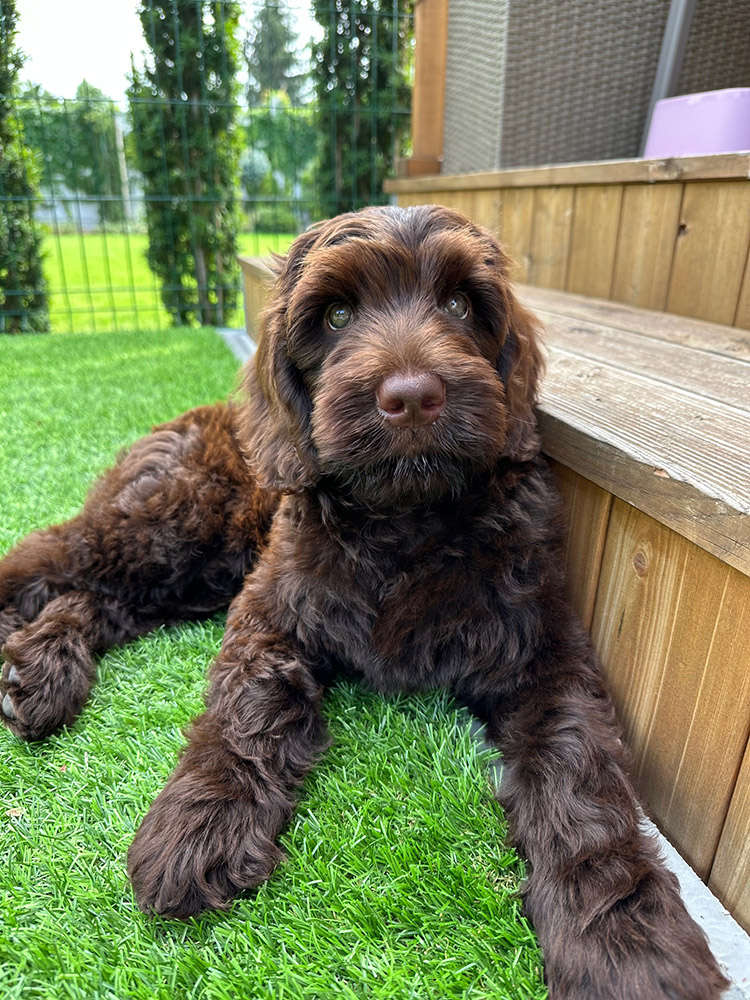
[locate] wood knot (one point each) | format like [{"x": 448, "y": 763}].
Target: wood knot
[{"x": 640, "y": 563}]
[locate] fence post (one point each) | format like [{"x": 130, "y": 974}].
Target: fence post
[{"x": 428, "y": 96}]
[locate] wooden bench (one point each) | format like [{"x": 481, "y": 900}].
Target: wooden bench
[
  {"x": 646, "y": 417},
  {"x": 669, "y": 393}
]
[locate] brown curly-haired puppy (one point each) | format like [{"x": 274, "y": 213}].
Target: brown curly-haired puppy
[{"x": 379, "y": 505}]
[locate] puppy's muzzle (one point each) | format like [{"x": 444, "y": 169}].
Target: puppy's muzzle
[{"x": 411, "y": 400}]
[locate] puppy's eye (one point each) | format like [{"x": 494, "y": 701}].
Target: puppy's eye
[
  {"x": 457, "y": 305},
  {"x": 338, "y": 316}
]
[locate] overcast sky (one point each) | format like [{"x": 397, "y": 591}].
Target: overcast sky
[{"x": 67, "y": 40}]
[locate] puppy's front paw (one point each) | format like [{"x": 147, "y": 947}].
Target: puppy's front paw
[
  {"x": 644, "y": 947},
  {"x": 197, "y": 848},
  {"x": 45, "y": 679}
]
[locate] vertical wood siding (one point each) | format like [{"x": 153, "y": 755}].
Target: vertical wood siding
[
  {"x": 672, "y": 625},
  {"x": 683, "y": 247}
]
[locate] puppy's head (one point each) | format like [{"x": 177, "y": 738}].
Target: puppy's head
[{"x": 393, "y": 360}]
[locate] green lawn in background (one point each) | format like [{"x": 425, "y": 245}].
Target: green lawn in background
[
  {"x": 101, "y": 281},
  {"x": 397, "y": 883}
]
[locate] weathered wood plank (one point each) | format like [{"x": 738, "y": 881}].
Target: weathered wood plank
[
  {"x": 587, "y": 509},
  {"x": 257, "y": 282},
  {"x": 709, "y": 523},
  {"x": 687, "y": 168},
  {"x": 418, "y": 166},
  {"x": 661, "y": 326},
  {"x": 257, "y": 267},
  {"x": 742, "y": 316},
  {"x": 696, "y": 440},
  {"x": 487, "y": 210},
  {"x": 730, "y": 874},
  {"x": 704, "y": 373},
  {"x": 711, "y": 252},
  {"x": 553, "y": 217},
  {"x": 407, "y": 199},
  {"x": 418, "y": 198},
  {"x": 428, "y": 94},
  {"x": 593, "y": 240},
  {"x": 517, "y": 227},
  {"x": 460, "y": 201},
  {"x": 649, "y": 223},
  {"x": 666, "y": 626}
]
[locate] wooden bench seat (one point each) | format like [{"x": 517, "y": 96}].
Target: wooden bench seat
[{"x": 654, "y": 408}]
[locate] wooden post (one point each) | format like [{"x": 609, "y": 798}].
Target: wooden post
[{"x": 428, "y": 96}]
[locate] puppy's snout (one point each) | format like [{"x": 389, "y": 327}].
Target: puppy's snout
[{"x": 411, "y": 400}]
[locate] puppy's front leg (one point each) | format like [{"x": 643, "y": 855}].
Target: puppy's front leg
[
  {"x": 211, "y": 832},
  {"x": 608, "y": 914}
]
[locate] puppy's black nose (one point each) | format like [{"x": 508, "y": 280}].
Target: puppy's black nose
[{"x": 412, "y": 400}]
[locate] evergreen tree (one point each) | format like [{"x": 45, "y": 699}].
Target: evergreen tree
[
  {"x": 271, "y": 57},
  {"x": 23, "y": 301},
  {"x": 283, "y": 140},
  {"x": 183, "y": 108},
  {"x": 363, "y": 98},
  {"x": 280, "y": 130},
  {"x": 46, "y": 130}
]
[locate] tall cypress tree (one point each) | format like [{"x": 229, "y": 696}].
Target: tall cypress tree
[
  {"x": 23, "y": 300},
  {"x": 363, "y": 97},
  {"x": 183, "y": 110},
  {"x": 281, "y": 134},
  {"x": 271, "y": 59}
]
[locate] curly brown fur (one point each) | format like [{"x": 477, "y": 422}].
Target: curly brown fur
[{"x": 386, "y": 476}]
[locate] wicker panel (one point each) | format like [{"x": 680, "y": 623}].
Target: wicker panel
[
  {"x": 578, "y": 79},
  {"x": 477, "y": 32},
  {"x": 532, "y": 82},
  {"x": 718, "y": 49}
]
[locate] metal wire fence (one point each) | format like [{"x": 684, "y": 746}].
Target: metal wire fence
[{"x": 321, "y": 149}]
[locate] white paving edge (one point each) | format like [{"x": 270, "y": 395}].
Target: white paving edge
[
  {"x": 729, "y": 942},
  {"x": 238, "y": 342}
]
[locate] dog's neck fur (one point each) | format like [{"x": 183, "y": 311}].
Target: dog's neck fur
[{"x": 353, "y": 523}]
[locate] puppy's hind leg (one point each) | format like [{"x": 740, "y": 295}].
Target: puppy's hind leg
[{"x": 167, "y": 534}]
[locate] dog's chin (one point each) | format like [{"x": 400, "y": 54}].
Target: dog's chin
[{"x": 404, "y": 482}]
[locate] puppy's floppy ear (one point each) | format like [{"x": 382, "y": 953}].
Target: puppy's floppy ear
[
  {"x": 276, "y": 419},
  {"x": 520, "y": 366}
]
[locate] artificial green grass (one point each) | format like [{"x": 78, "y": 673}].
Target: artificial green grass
[
  {"x": 396, "y": 885},
  {"x": 101, "y": 281}
]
